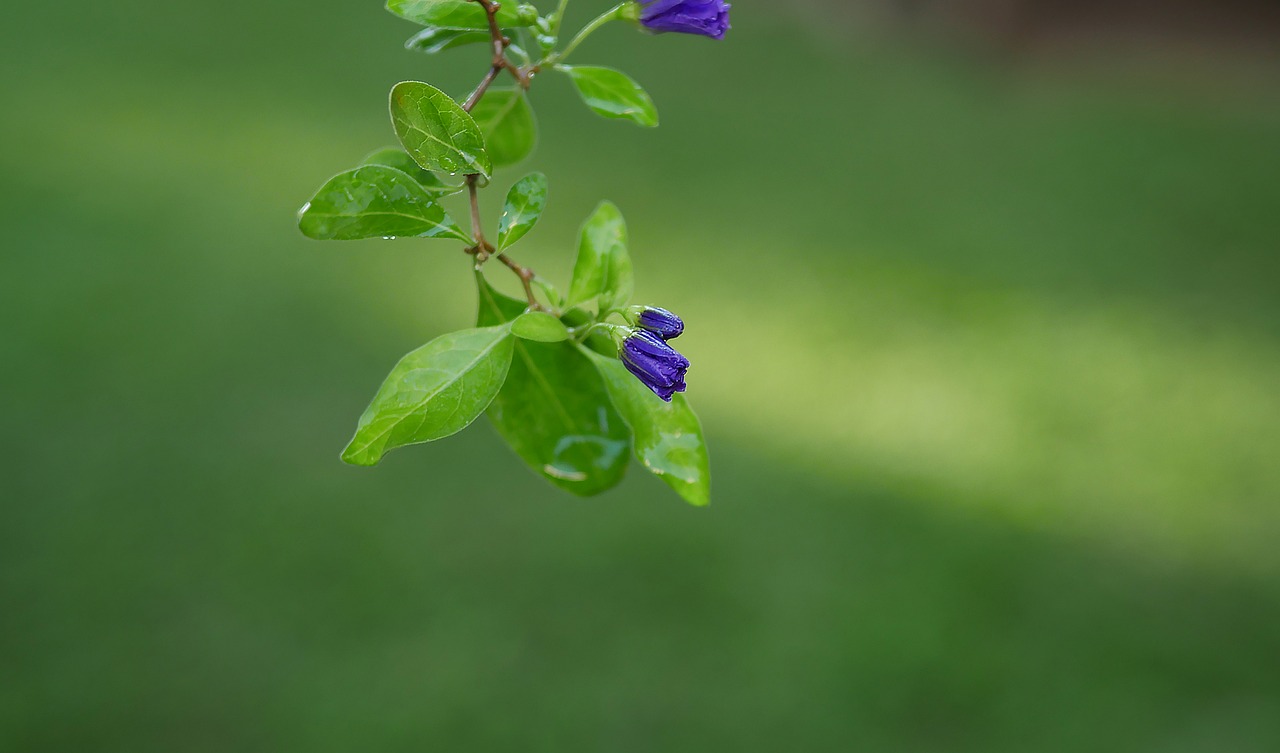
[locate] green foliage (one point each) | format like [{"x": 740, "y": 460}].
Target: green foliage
[
  {"x": 375, "y": 201},
  {"x": 668, "y": 436},
  {"x": 539, "y": 326},
  {"x": 554, "y": 410},
  {"x": 434, "y": 392},
  {"x": 613, "y": 94},
  {"x": 525, "y": 202},
  {"x": 603, "y": 267},
  {"x": 399, "y": 159},
  {"x": 460, "y": 14},
  {"x": 436, "y": 131},
  {"x": 507, "y": 123},
  {"x": 432, "y": 40},
  {"x": 545, "y": 370}
]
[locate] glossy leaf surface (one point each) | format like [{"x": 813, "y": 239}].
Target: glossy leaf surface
[
  {"x": 436, "y": 131},
  {"x": 435, "y": 391},
  {"x": 668, "y": 436},
  {"x": 539, "y": 326},
  {"x": 460, "y": 14},
  {"x": 612, "y": 94},
  {"x": 399, "y": 159},
  {"x": 524, "y": 205},
  {"x": 432, "y": 40},
  {"x": 603, "y": 267},
  {"x": 507, "y": 123},
  {"x": 554, "y": 410},
  {"x": 375, "y": 201}
]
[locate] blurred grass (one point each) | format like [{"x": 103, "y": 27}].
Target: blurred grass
[{"x": 988, "y": 357}]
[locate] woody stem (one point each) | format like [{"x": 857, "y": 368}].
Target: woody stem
[{"x": 483, "y": 248}]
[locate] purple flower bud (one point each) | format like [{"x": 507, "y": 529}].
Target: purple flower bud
[
  {"x": 655, "y": 363},
  {"x": 710, "y": 18},
  {"x": 660, "y": 322}
]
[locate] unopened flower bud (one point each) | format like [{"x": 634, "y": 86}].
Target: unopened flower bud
[{"x": 654, "y": 363}]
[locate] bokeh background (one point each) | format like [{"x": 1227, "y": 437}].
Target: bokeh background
[{"x": 984, "y": 307}]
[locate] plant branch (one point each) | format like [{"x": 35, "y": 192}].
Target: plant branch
[
  {"x": 526, "y": 276},
  {"x": 485, "y": 83},
  {"x": 483, "y": 249}
]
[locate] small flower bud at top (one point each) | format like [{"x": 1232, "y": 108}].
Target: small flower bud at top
[
  {"x": 660, "y": 322},
  {"x": 708, "y": 18}
]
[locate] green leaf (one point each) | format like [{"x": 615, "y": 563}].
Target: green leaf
[
  {"x": 436, "y": 131},
  {"x": 375, "y": 201},
  {"x": 539, "y": 326},
  {"x": 554, "y": 410},
  {"x": 434, "y": 392},
  {"x": 399, "y": 159},
  {"x": 461, "y": 14},
  {"x": 432, "y": 40},
  {"x": 506, "y": 120},
  {"x": 603, "y": 267},
  {"x": 668, "y": 436},
  {"x": 525, "y": 202},
  {"x": 612, "y": 94}
]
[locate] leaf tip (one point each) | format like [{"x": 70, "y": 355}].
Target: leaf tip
[{"x": 359, "y": 458}]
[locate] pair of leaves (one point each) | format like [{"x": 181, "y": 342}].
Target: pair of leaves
[
  {"x": 613, "y": 94},
  {"x": 461, "y": 14},
  {"x": 439, "y": 389},
  {"x": 396, "y": 193},
  {"x": 440, "y": 135},
  {"x": 603, "y": 267},
  {"x": 381, "y": 200}
]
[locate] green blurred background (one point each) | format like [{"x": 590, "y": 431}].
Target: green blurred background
[{"x": 986, "y": 339}]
